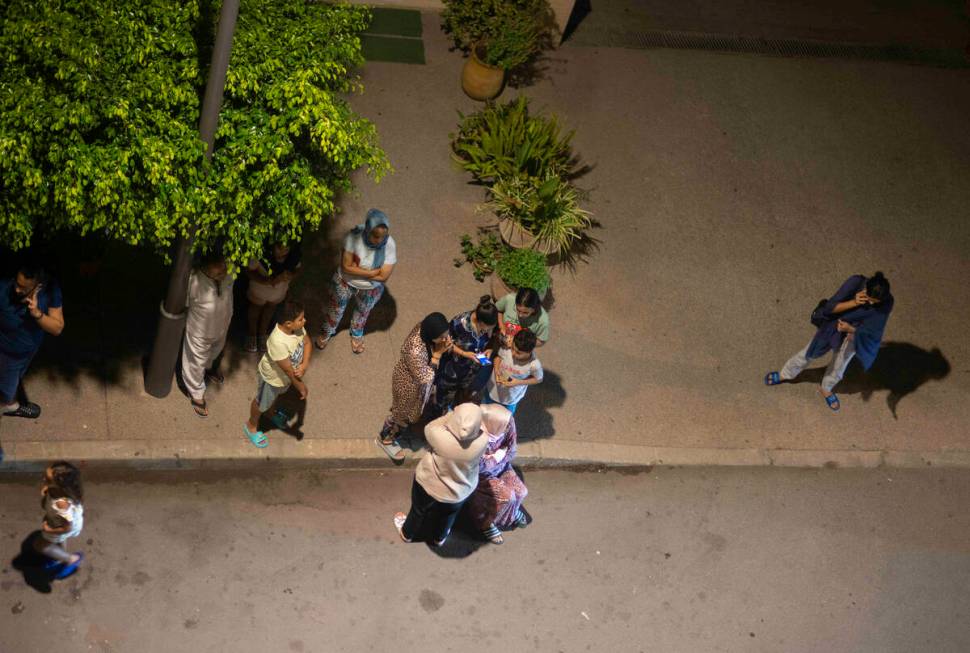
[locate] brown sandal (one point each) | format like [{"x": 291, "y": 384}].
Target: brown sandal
[
  {"x": 200, "y": 408},
  {"x": 321, "y": 342},
  {"x": 357, "y": 345}
]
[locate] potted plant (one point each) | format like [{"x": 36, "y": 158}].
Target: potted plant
[
  {"x": 539, "y": 213},
  {"x": 520, "y": 268},
  {"x": 505, "y": 140},
  {"x": 497, "y": 35},
  {"x": 483, "y": 255}
]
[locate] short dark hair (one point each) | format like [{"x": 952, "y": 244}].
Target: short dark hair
[
  {"x": 290, "y": 311},
  {"x": 529, "y": 298},
  {"x": 877, "y": 286},
  {"x": 486, "y": 312},
  {"x": 32, "y": 270},
  {"x": 525, "y": 340},
  {"x": 67, "y": 477}
]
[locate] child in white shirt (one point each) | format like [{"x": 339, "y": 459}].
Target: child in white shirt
[{"x": 516, "y": 368}]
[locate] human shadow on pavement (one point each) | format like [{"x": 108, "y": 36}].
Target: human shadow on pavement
[
  {"x": 31, "y": 565},
  {"x": 463, "y": 541},
  {"x": 532, "y": 418},
  {"x": 901, "y": 368}
]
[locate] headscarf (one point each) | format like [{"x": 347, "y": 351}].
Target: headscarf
[
  {"x": 465, "y": 423},
  {"x": 495, "y": 420},
  {"x": 375, "y": 218}
]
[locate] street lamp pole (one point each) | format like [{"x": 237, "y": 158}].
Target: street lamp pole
[{"x": 171, "y": 323}]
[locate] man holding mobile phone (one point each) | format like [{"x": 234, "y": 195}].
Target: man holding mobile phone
[{"x": 30, "y": 306}]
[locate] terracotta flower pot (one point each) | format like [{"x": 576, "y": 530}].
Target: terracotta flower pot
[
  {"x": 479, "y": 80},
  {"x": 516, "y": 237}
]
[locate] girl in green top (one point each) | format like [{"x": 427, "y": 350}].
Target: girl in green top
[{"x": 522, "y": 309}]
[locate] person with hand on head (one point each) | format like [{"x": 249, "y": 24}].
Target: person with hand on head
[
  {"x": 368, "y": 258},
  {"x": 458, "y": 372},
  {"x": 445, "y": 477},
  {"x": 413, "y": 379},
  {"x": 522, "y": 310},
  {"x": 851, "y": 324},
  {"x": 284, "y": 364},
  {"x": 31, "y": 306},
  {"x": 209, "y": 307},
  {"x": 269, "y": 283}
]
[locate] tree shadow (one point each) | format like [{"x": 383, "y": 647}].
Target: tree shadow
[
  {"x": 901, "y": 368},
  {"x": 31, "y": 565}
]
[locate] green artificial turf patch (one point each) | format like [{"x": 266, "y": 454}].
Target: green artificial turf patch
[
  {"x": 394, "y": 35},
  {"x": 395, "y": 22}
]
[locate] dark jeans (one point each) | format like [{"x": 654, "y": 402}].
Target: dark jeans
[
  {"x": 450, "y": 392},
  {"x": 428, "y": 518},
  {"x": 12, "y": 370}
]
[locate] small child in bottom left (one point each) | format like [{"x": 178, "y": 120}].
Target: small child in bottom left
[{"x": 62, "y": 499}]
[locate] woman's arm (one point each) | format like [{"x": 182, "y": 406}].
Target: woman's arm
[
  {"x": 383, "y": 273},
  {"x": 347, "y": 266}
]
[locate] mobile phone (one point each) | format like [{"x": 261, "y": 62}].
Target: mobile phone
[{"x": 483, "y": 359}]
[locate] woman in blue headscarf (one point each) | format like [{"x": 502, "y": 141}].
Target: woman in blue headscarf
[{"x": 369, "y": 256}]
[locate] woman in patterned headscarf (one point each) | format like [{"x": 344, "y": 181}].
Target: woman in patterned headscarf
[{"x": 496, "y": 504}]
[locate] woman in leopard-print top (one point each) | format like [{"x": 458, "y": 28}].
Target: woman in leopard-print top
[{"x": 413, "y": 378}]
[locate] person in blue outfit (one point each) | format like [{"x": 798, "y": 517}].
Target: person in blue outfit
[
  {"x": 30, "y": 307},
  {"x": 850, "y": 324}
]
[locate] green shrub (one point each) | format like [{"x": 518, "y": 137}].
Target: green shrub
[
  {"x": 524, "y": 268},
  {"x": 511, "y": 31},
  {"x": 504, "y": 141},
  {"x": 99, "y": 120},
  {"x": 483, "y": 255},
  {"x": 547, "y": 208}
]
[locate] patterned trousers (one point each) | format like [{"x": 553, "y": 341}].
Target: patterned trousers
[{"x": 340, "y": 294}]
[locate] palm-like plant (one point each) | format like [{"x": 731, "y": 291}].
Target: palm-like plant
[
  {"x": 548, "y": 208},
  {"x": 503, "y": 141}
]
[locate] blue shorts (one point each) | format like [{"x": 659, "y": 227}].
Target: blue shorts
[
  {"x": 12, "y": 370},
  {"x": 487, "y": 399},
  {"x": 266, "y": 394}
]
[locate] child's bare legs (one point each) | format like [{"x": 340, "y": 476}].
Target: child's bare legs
[
  {"x": 54, "y": 551},
  {"x": 254, "y": 414}
]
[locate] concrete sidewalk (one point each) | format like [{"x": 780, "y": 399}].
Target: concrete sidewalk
[{"x": 734, "y": 191}]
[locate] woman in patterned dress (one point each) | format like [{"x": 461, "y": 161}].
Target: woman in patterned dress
[
  {"x": 413, "y": 379},
  {"x": 496, "y": 504},
  {"x": 461, "y": 367}
]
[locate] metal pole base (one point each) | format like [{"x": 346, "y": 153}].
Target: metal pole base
[{"x": 161, "y": 370}]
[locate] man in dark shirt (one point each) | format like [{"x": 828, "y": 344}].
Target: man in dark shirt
[{"x": 30, "y": 306}]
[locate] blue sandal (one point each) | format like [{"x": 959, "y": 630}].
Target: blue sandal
[
  {"x": 258, "y": 438},
  {"x": 70, "y": 569},
  {"x": 772, "y": 378},
  {"x": 833, "y": 402}
]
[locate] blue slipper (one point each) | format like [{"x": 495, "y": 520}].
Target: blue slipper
[
  {"x": 772, "y": 378},
  {"x": 69, "y": 569},
  {"x": 258, "y": 438},
  {"x": 833, "y": 402}
]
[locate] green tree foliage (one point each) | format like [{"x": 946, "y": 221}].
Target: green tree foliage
[{"x": 99, "y": 113}]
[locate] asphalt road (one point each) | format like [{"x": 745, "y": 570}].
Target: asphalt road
[{"x": 663, "y": 560}]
